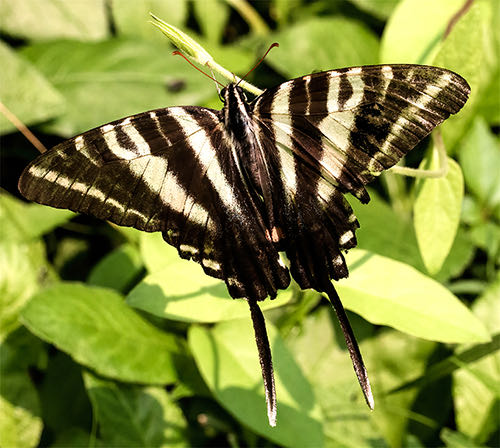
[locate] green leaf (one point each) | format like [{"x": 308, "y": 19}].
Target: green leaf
[
  {"x": 420, "y": 26},
  {"x": 384, "y": 232},
  {"x": 388, "y": 292},
  {"x": 54, "y": 19},
  {"x": 25, "y": 91},
  {"x": 489, "y": 104},
  {"x": 454, "y": 439},
  {"x": 117, "y": 270},
  {"x": 302, "y": 51},
  {"x": 479, "y": 156},
  {"x": 437, "y": 213},
  {"x": 132, "y": 19},
  {"x": 156, "y": 252},
  {"x": 109, "y": 80},
  {"x": 486, "y": 235},
  {"x": 182, "y": 291},
  {"x": 393, "y": 357},
  {"x": 134, "y": 416},
  {"x": 76, "y": 438},
  {"x": 97, "y": 329},
  {"x": 227, "y": 358},
  {"x": 460, "y": 256},
  {"x": 381, "y": 9},
  {"x": 20, "y": 221},
  {"x": 20, "y": 422},
  {"x": 212, "y": 16},
  {"x": 320, "y": 351},
  {"x": 62, "y": 378},
  {"x": 23, "y": 269},
  {"x": 281, "y": 9},
  {"x": 476, "y": 404},
  {"x": 468, "y": 46}
]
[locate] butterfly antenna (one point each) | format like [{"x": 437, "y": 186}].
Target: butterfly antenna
[
  {"x": 178, "y": 53},
  {"x": 275, "y": 44},
  {"x": 266, "y": 362},
  {"x": 352, "y": 345}
]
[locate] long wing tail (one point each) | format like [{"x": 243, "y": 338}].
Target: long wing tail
[
  {"x": 266, "y": 362},
  {"x": 352, "y": 345}
]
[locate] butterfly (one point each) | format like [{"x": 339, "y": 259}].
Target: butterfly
[{"x": 239, "y": 189}]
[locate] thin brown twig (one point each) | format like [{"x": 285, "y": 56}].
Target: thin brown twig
[
  {"x": 456, "y": 17},
  {"x": 21, "y": 127}
]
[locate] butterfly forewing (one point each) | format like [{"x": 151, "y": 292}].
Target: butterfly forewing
[{"x": 354, "y": 123}]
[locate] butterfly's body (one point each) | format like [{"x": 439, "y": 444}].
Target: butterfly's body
[{"x": 232, "y": 188}]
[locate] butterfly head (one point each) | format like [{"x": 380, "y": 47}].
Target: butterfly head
[{"x": 232, "y": 92}]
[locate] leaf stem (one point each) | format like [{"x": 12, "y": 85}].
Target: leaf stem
[
  {"x": 196, "y": 52},
  {"x": 442, "y": 171},
  {"x": 251, "y": 16}
]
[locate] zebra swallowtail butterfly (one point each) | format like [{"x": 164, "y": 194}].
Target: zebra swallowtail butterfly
[{"x": 231, "y": 189}]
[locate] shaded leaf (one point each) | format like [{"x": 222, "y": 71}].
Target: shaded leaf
[
  {"x": 227, "y": 358},
  {"x": 355, "y": 44},
  {"x": 135, "y": 416},
  {"x": 454, "y": 439},
  {"x": 437, "y": 213},
  {"x": 476, "y": 405},
  {"x": 467, "y": 47},
  {"x": 382, "y": 9},
  {"x": 25, "y": 91},
  {"x": 117, "y": 270},
  {"x": 479, "y": 156},
  {"x": 20, "y": 422},
  {"x": 96, "y": 328},
  {"x": 54, "y": 19},
  {"x": 387, "y": 292},
  {"x": 180, "y": 290},
  {"x": 76, "y": 438},
  {"x": 62, "y": 379},
  {"x": 212, "y": 16},
  {"x": 20, "y": 221},
  {"x": 393, "y": 357}
]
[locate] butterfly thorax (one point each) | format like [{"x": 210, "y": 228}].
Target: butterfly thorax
[{"x": 239, "y": 124}]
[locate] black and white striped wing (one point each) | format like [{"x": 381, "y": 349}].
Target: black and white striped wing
[
  {"x": 332, "y": 133},
  {"x": 353, "y": 123},
  {"x": 170, "y": 170}
]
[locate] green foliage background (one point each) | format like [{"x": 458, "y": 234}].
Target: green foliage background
[{"x": 108, "y": 339}]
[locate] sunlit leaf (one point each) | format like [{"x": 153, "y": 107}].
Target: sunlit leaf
[
  {"x": 389, "y": 292},
  {"x": 227, "y": 358},
  {"x": 182, "y": 291},
  {"x": 437, "y": 213},
  {"x": 96, "y": 328}
]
